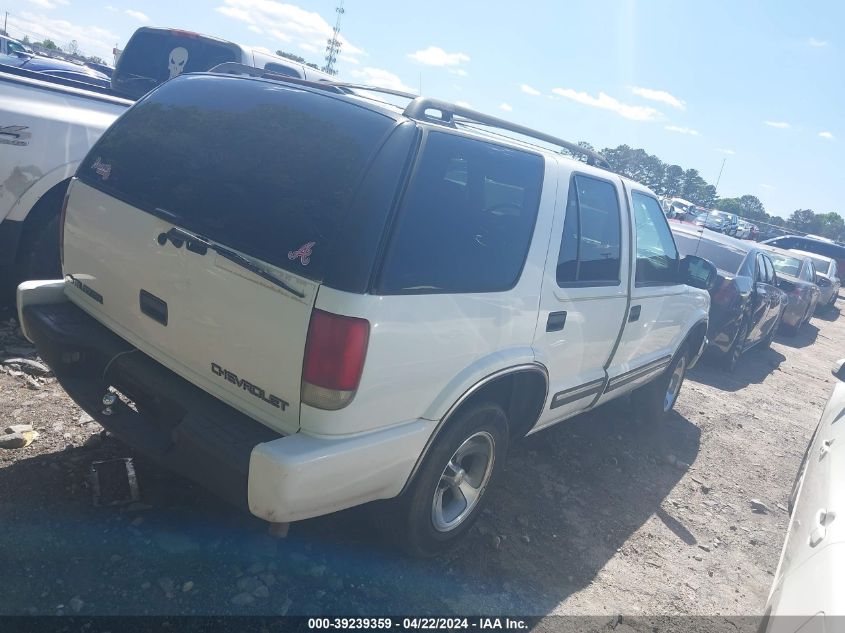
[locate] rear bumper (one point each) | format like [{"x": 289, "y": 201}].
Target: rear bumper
[
  {"x": 277, "y": 478},
  {"x": 793, "y": 312}
]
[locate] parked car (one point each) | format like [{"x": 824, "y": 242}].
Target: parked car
[
  {"x": 154, "y": 55},
  {"x": 827, "y": 277},
  {"x": 107, "y": 70},
  {"x": 58, "y": 68},
  {"x": 746, "y": 303},
  {"x": 680, "y": 209},
  {"x": 48, "y": 126},
  {"x": 797, "y": 278},
  {"x": 719, "y": 221},
  {"x": 743, "y": 230},
  {"x": 808, "y": 581},
  {"x": 274, "y": 352},
  {"x": 811, "y": 245}
]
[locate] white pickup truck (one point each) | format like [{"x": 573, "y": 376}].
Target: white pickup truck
[
  {"x": 47, "y": 126},
  {"x": 306, "y": 300}
]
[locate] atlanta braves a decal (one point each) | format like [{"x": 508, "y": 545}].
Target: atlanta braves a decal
[{"x": 303, "y": 253}]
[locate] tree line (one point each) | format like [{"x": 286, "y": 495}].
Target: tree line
[{"x": 673, "y": 181}]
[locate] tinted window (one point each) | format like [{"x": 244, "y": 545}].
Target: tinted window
[
  {"x": 467, "y": 218},
  {"x": 153, "y": 56},
  {"x": 721, "y": 256},
  {"x": 807, "y": 272},
  {"x": 657, "y": 257},
  {"x": 590, "y": 246},
  {"x": 264, "y": 169}
]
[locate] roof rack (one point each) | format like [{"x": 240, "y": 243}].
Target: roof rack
[{"x": 419, "y": 107}]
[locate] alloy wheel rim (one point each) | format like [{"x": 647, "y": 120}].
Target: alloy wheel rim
[
  {"x": 675, "y": 381},
  {"x": 463, "y": 481}
]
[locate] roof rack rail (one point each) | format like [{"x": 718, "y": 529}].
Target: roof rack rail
[
  {"x": 419, "y": 107},
  {"x": 234, "y": 68}
]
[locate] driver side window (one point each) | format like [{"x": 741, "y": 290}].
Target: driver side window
[
  {"x": 770, "y": 271},
  {"x": 657, "y": 256}
]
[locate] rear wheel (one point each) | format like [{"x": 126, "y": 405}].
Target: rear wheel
[
  {"x": 447, "y": 495},
  {"x": 737, "y": 347},
  {"x": 38, "y": 257},
  {"x": 654, "y": 400}
]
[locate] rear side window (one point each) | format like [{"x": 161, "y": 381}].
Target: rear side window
[
  {"x": 466, "y": 220},
  {"x": 590, "y": 245},
  {"x": 267, "y": 169},
  {"x": 770, "y": 270},
  {"x": 153, "y": 56},
  {"x": 657, "y": 257}
]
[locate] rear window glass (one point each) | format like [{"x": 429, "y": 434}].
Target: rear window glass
[
  {"x": 153, "y": 57},
  {"x": 467, "y": 218},
  {"x": 721, "y": 256},
  {"x": 786, "y": 265},
  {"x": 266, "y": 169},
  {"x": 822, "y": 265}
]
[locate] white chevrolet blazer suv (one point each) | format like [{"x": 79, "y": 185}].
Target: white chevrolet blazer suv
[{"x": 308, "y": 299}]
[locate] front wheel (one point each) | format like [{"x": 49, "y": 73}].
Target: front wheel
[
  {"x": 447, "y": 494},
  {"x": 657, "y": 398}
]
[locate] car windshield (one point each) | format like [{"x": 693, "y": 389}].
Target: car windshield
[{"x": 785, "y": 264}]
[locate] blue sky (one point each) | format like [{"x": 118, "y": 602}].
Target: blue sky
[{"x": 759, "y": 83}]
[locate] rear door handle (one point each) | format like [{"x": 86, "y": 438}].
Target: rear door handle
[
  {"x": 634, "y": 313},
  {"x": 556, "y": 321}
]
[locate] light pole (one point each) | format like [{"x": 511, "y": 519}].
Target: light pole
[{"x": 724, "y": 160}]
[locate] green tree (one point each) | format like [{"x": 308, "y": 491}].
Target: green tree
[
  {"x": 291, "y": 56},
  {"x": 673, "y": 180},
  {"x": 25, "y": 39},
  {"x": 802, "y": 220},
  {"x": 49, "y": 44},
  {"x": 830, "y": 225}
]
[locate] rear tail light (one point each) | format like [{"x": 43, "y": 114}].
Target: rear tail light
[
  {"x": 62, "y": 216},
  {"x": 334, "y": 359}
]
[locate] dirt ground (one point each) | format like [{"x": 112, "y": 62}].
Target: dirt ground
[{"x": 597, "y": 516}]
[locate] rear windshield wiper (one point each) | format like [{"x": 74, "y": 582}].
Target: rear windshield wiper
[{"x": 199, "y": 244}]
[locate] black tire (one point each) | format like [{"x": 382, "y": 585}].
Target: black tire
[
  {"x": 651, "y": 401},
  {"x": 731, "y": 358},
  {"x": 415, "y": 510},
  {"x": 38, "y": 253}
]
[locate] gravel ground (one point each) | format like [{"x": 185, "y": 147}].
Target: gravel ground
[{"x": 597, "y": 516}]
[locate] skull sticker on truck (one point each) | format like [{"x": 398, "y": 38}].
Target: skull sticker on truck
[{"x": 176, "y": 61}]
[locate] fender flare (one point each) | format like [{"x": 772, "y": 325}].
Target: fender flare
[
  {"x": 532, "y": 366},
  {"x": 24, "y": 205}
]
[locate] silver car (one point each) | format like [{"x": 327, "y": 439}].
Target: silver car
[
  {"x": 827, "y": 277},
  {"x": 809, "y": 581}
]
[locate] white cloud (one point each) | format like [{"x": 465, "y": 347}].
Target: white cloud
[
  {"x": 137, "y": 15},
  {"x": 506, "y": 107},
  {"x": 436, "y": 56},
  {"x": 460, "y": 72},
  {"x": 288, "y": 23},
  {"x": 826, "y": 135},
  {"x": 347, "y": 58},
  {"x": 682, "y": 130},
  {"x": 380, "y": 78},
  {"x": 729, "y": 152},
  {"x": 661, "y": 96},
  {"x": 816, "y": 43},
  {"x": 48, "y": 4},
  {"x": 606, "y": 102},
  {"x": 778, "y": 124},
  {"x": 765, "y": 186},
  {"x": 92, "y": 40},
  {"x": 111, "y": 8},
  {"x": 529, "y": 90},
  {"x": 463, "y": 104}
]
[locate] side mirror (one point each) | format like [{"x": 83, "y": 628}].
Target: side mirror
[{"x": 698, "y": 272}]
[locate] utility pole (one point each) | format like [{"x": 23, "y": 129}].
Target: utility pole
[
  {"x": 6, "y": 24},
  {"x": 720, "y": 173},
  {"x": 333, "y": 44}
]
